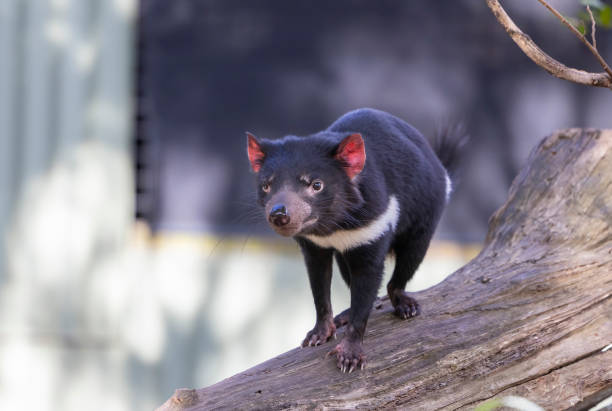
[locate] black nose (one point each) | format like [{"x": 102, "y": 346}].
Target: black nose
[{"x": 278, "y": 215}]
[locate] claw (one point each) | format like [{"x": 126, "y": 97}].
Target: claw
[
  {"x": 405, "y": 306},
  {"x": 362, "y": 365},
  {"x": 352, "y": 368}
]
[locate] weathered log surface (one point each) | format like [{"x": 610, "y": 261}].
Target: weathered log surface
[{"x": 529, "y": 316}]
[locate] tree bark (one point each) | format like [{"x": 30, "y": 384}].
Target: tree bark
[{"x": 531, "y": 315}]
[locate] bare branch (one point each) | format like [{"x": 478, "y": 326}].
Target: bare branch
[
  {"x": 593, "y": 27},
  {"x": 578, "y": 34},
  {"x": 538, "y": 56}
]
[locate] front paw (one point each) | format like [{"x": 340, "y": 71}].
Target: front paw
[
  {"x": 322, "y": 331},
  {"x": 405, "y": 306},
  {"x": 349, "y": 355}
]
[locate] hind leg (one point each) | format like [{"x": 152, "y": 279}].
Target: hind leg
[
  {"x": 409, "y": 255},
  {"x": 343, "y": 318},
  {"x": 344, "y": 268}
]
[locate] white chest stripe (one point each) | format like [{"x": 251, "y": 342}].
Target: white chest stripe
[
  {"x": 449, "y": 187},
  {"x": 343, "y": 240}
]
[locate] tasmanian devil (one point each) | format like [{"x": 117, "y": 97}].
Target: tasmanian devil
[{"x": 367, "y": 186}]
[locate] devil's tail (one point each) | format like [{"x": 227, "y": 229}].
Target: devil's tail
[{"x": 448, "y": 145}]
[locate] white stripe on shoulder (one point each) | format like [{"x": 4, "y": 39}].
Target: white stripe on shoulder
[
  {"x": 343, "y": 240},
  {"x": 449, "y": 187}
]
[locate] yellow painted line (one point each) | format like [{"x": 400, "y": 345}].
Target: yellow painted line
[{"x": 208, "y": 243}]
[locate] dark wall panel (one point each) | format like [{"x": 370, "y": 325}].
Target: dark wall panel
[{"x": 212, "y": 69}]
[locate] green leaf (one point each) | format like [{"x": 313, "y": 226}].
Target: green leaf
[
  {"x": 602, "y": 15},
  {"x": 579, "y": 24},
  {"x": 605, "y": 17},
  {"x": 489, "y": 405},
  {"x": 512, "y": 402}
]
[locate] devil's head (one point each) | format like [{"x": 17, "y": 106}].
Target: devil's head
[{"x": 307, "y": 185}]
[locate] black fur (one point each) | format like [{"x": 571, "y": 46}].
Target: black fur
[
  {"x": 399, "y": 162},
  {"x": 448, "y": 144}
]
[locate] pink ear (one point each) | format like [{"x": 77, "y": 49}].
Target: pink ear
[
  {"x": 351, "y": 153},
  {"x": 254, "y": 151}
]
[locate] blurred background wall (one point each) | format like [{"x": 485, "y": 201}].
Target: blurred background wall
[
  {"x": 66, "y": 202},
  {"x": 133, "y": 261},
  {"x": 275, "y": 68}
]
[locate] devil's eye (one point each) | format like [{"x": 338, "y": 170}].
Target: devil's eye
[
  {"x": 317, "y": 185},
  {"x": 265, "y": 187}
]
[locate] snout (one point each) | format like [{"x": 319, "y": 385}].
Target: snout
[
  {"x": 279, "y": 216},
  {"x": 287, "y": 212}
]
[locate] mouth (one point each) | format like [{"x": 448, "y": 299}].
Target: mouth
[
  {"x": 286, "y": 230},
  {"x": 309, "y": 223},
  {"x": 294, "y": 229}
]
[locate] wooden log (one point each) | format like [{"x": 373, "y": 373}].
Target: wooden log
[{"x": 531, "y": 315}]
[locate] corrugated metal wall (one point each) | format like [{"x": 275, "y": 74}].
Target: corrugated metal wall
[
  {"x": 65, "y": 195},
  {"x": 65, "y": 77}
]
